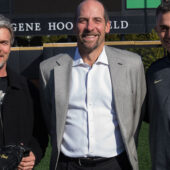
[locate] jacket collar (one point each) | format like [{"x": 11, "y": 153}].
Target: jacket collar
[{"x": 14, "y": 80}]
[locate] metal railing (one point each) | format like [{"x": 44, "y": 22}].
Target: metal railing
[{"x": 132, "y": 44}]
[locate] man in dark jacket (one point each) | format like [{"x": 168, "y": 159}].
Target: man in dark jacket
[
  {"x": 18, "y": 112},
  {"x": 158, "y": 96}
]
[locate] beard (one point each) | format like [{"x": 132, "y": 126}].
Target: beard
[
  {"x": 88, "y": 45},
  {"x": 2, "y": 64}
]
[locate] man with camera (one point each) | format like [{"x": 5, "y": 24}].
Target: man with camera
[{"x": 18, "y": 111}]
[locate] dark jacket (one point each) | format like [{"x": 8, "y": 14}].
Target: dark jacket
[
  {"x": 158, "y": 113},
  {"x": 22, "y": 120}
]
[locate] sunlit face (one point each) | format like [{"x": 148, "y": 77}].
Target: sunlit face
[
  {"x": 91, "y": 26},
  {"x": 163, "y": 29},
  {"x": 5, "y": 46}
]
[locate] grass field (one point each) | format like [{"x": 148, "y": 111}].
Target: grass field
[{"x": 143, "y": 152}]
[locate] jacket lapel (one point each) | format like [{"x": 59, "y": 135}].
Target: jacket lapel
[
  {"x": 119, "y": 83},
  {"x": 62, "y": 75}
]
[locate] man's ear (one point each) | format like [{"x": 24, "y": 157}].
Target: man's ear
[{"x": 107, "y": 29}]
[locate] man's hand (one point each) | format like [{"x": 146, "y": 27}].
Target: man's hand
[{"x": 27, "y": 163}]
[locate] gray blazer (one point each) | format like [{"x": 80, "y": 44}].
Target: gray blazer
[{"x": 128, "y": 82}]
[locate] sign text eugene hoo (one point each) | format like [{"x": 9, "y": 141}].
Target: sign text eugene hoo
[{"x": 49, "y": 26}]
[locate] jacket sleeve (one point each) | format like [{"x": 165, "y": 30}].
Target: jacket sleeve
[
  {"x": 45, "y": 95},
  {"x": 140, "y": 97},
  {"x": 39, "y": 139}
]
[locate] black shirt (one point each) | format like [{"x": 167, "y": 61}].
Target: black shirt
[{"x": 3, "y": 87}]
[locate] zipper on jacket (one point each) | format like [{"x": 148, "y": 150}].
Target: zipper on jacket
[{"x": 1, "y": 120}]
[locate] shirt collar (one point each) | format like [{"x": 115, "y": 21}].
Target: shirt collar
[
  {"x": 102, "y": 59},
  {"x": 77, "y": 58}
]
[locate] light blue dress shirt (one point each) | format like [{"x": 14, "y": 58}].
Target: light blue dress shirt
[{"x": 91, "y": 127}]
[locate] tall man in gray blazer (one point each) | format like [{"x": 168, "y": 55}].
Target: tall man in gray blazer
[{"x": 92, "y": 100}]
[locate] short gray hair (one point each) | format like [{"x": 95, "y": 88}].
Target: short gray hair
[{"x": 5, "y": 23}]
